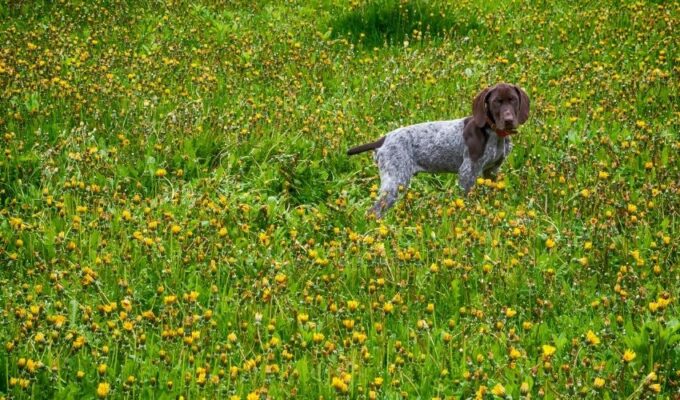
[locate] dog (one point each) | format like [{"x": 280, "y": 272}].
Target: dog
[{"x": 469, "y": 146}]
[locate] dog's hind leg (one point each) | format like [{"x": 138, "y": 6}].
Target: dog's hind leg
[
  {"x": 390, "y": 185},
  {"x": 396, "y": 169}
]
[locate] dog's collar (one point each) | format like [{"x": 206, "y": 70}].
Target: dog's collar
[
  {"x": 499, "y": 132},
  {"x": 503, "y": 134}
]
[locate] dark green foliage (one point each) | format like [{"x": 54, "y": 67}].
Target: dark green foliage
[{"x": 391, "y": 22}]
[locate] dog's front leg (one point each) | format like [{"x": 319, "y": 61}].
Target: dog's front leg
[
  {"x": 468, "y": 173},
  {"x": 492, "y": 171}
]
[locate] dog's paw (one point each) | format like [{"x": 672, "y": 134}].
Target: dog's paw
[{"x": 374, "y": 214}]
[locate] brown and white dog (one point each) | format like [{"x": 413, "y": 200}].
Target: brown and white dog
[{"x": 469, "y": 146}]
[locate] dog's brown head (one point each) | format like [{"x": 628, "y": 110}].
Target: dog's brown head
[{"x": 502, "y": 106}]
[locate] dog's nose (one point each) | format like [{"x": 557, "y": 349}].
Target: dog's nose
[{"x": 509, "y": 121}]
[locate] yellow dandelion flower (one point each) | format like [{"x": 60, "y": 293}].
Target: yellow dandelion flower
[
  {"x": 388, "y": 307},
  {"x": 663, "y": 302},
  {"x": 318, "y": 337},
  {"x": 548, "y": 350},
  {"x": 481, "y": 392},
  {"x": 78, "y": 343},
  {"x": 16, "y": 223},
  {"x": 346, "y": 377},
  {"x": 339, "y": 384},
  {"x": 651, "y": 377},
  {"x": 201, "y": 379},
  {"x": 103, "y": 390},
  {"x": 498, "y": 390},
  {"x": 598, "y": 383},
  {"x": 524, "y": 388},
  {"x": 514, "y": 353},
  {"x": 280, "y": 278},
  {"x": 32, "y": 366},
  {"x": 592, "y": 338},
  {"x": 629, "y": 355}
]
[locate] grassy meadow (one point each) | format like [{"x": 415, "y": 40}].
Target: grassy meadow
[{"x": 178, "y": 218}]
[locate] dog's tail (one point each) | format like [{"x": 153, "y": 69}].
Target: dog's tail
[{"x": 366, "y": 147}]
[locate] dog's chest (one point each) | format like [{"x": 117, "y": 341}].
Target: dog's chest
[{"x": 496, "y": 149}]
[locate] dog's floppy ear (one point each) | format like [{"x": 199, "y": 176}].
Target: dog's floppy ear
[
  {"x": 479, "y": 107},
  {"x": 523, "y": 112}
]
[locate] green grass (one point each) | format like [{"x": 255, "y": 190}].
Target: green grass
[
  {"x": 393, "y": 22},
  {"x": 178, "y": 216}
]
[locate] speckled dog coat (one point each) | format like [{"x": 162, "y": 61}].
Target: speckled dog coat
[{"x": 469, "y": 146}]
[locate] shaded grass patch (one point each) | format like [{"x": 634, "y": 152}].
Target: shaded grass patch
[{"x": 391, "y": 22}]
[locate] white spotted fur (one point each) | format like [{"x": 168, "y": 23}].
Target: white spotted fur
[{"x": 433, "y": 147}]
